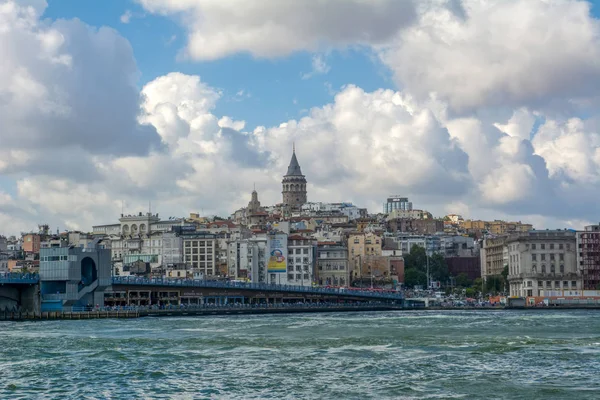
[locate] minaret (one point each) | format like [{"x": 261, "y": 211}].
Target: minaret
[{"x": 294, "y": 184}]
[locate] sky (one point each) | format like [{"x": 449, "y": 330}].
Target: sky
[{"x": 484, "y": 108}]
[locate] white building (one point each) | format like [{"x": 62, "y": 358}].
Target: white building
[
  {"x": 172, "y": 249},
  {"x": 542, "y": 263},
  {"x": 347, "y": 209},
  {"x": 246, "y": 259},
  {"x": 301, "y": 260}
]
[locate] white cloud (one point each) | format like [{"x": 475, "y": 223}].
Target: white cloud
[
  {"x": 126, "y": 17},
  {"x": 167, "y": 145},
  {"x": 319, "y": 67},
  {"x": 502, "y": 52},
  {"x": 272, "y": 28}
]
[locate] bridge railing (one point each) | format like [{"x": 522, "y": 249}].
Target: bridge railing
[
  {"x": 19, "y": 278},
  {"x": 132, "y": 280},
  {"x": 7, "y": 278}
]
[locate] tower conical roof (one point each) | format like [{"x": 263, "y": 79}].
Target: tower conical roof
[{"x": 294, "y": 167}]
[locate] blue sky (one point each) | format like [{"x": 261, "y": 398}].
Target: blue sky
[
  {"x": 485, "y": 124},
  {"x": 275, "y": 87}
]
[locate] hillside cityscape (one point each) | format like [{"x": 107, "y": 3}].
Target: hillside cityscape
[{"x": 302, "y": 243}]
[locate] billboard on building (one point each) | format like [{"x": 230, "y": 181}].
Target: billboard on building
[{"x": 277, "y": 257}]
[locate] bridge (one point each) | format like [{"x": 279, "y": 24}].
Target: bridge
[{"x": 139, "y": 291}]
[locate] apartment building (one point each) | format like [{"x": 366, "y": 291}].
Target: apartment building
[{"x": 542, "y": 263}]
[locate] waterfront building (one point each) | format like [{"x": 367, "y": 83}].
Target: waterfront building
[
  {"x": 294, "y": 185},
  {"x": 396, "y": 203},
  {"x": 469, "y": 265},
  {"x": 542, "y": 263},
  {"x": 362, "y": 244},
  {"x": 73, "y": 276},
  {"x": 246, "y": 259},
  {"x": 301, "y": 260},
  {"x": 379, "y": 270},
  {"x": 588, "y": 256},
  {"x": 405, "y": 242},
  {"x": 494, "y": 256},
  {"x": 32, "y": 243},
  {"x": 332, "y": 264},
  {"x": 172, "y": 249},
  {"x": 200, "y": 252},
  {"x": 3, "y": 262}
]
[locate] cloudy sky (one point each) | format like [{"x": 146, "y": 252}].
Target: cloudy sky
[{"x": 489, "y": 109}]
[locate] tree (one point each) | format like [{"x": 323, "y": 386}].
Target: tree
[
  {"x": 505, "y": 276},
  {"x": 463, "y": 280},
  {"x": 416, "y": 259},
  {"x": 470, "y": 292},
  {"x": 438, "y": 268},
  {"x": 414, "y": 277}
]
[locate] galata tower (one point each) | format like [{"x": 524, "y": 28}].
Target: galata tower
[{"x": 294, "y": 184}]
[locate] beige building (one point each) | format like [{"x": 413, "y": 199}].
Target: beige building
[
  {"x": 411, "y": 214},
  {"x": 494, "y": 256},
  {"x": 361, "y": 244},
  {"x": 542, "y": 263},
  {"x": 502, "y": 227}
]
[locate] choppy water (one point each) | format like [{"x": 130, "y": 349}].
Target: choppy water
[{"x": 391, "y": 355}]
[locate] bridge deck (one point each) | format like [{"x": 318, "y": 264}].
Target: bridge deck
[{"x": 20, "y": 279}]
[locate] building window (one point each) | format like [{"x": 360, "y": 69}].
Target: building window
[
  {"x": 543, "y": 246},
  {"x": 548, "y": 284},
  {"x": 551, "y": 257},
  {"x": 561, "y": 257},
  {"x": 533, "y": 246},
  {"x": 573, "y": 284},
  {"x": 565, "y": 284},
  {"x": 560, "y": 246},
  {"x": 551, "y": 246},
  {"x": 552, "y": 269},
  {"x": 562, "y": 269},
  {"x": 543, "y": 257},
  {"x": 543, "y": 269},
  {"x": 534, "y": 257},
  {"x": 557, "y": 284}
]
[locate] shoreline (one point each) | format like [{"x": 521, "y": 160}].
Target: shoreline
[{"x": 85, "y": 315}]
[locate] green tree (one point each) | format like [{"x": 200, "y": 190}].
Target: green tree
[
  {"x": 414, "y": 277},
  {"x": 470, "y": 292},
  {"x": 463, "y": 280},
  {"x": 416, "y": 259},
  {"x": 477, "y": 283},
  {"x": 505, "y": 276},
  {"x": 494, "y": 284},
  {"x": 438, "y": 268}
]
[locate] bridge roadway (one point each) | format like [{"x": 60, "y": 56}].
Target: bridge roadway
[
  {"x": 250, "y": 291},
  {"x": 224, "y": 288}
]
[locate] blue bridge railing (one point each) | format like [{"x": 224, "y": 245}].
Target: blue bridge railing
[
  {"x": 11, "y": 278},
  {"x": 132, "y": 280},
  {"x": 14, "y": 278}
]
